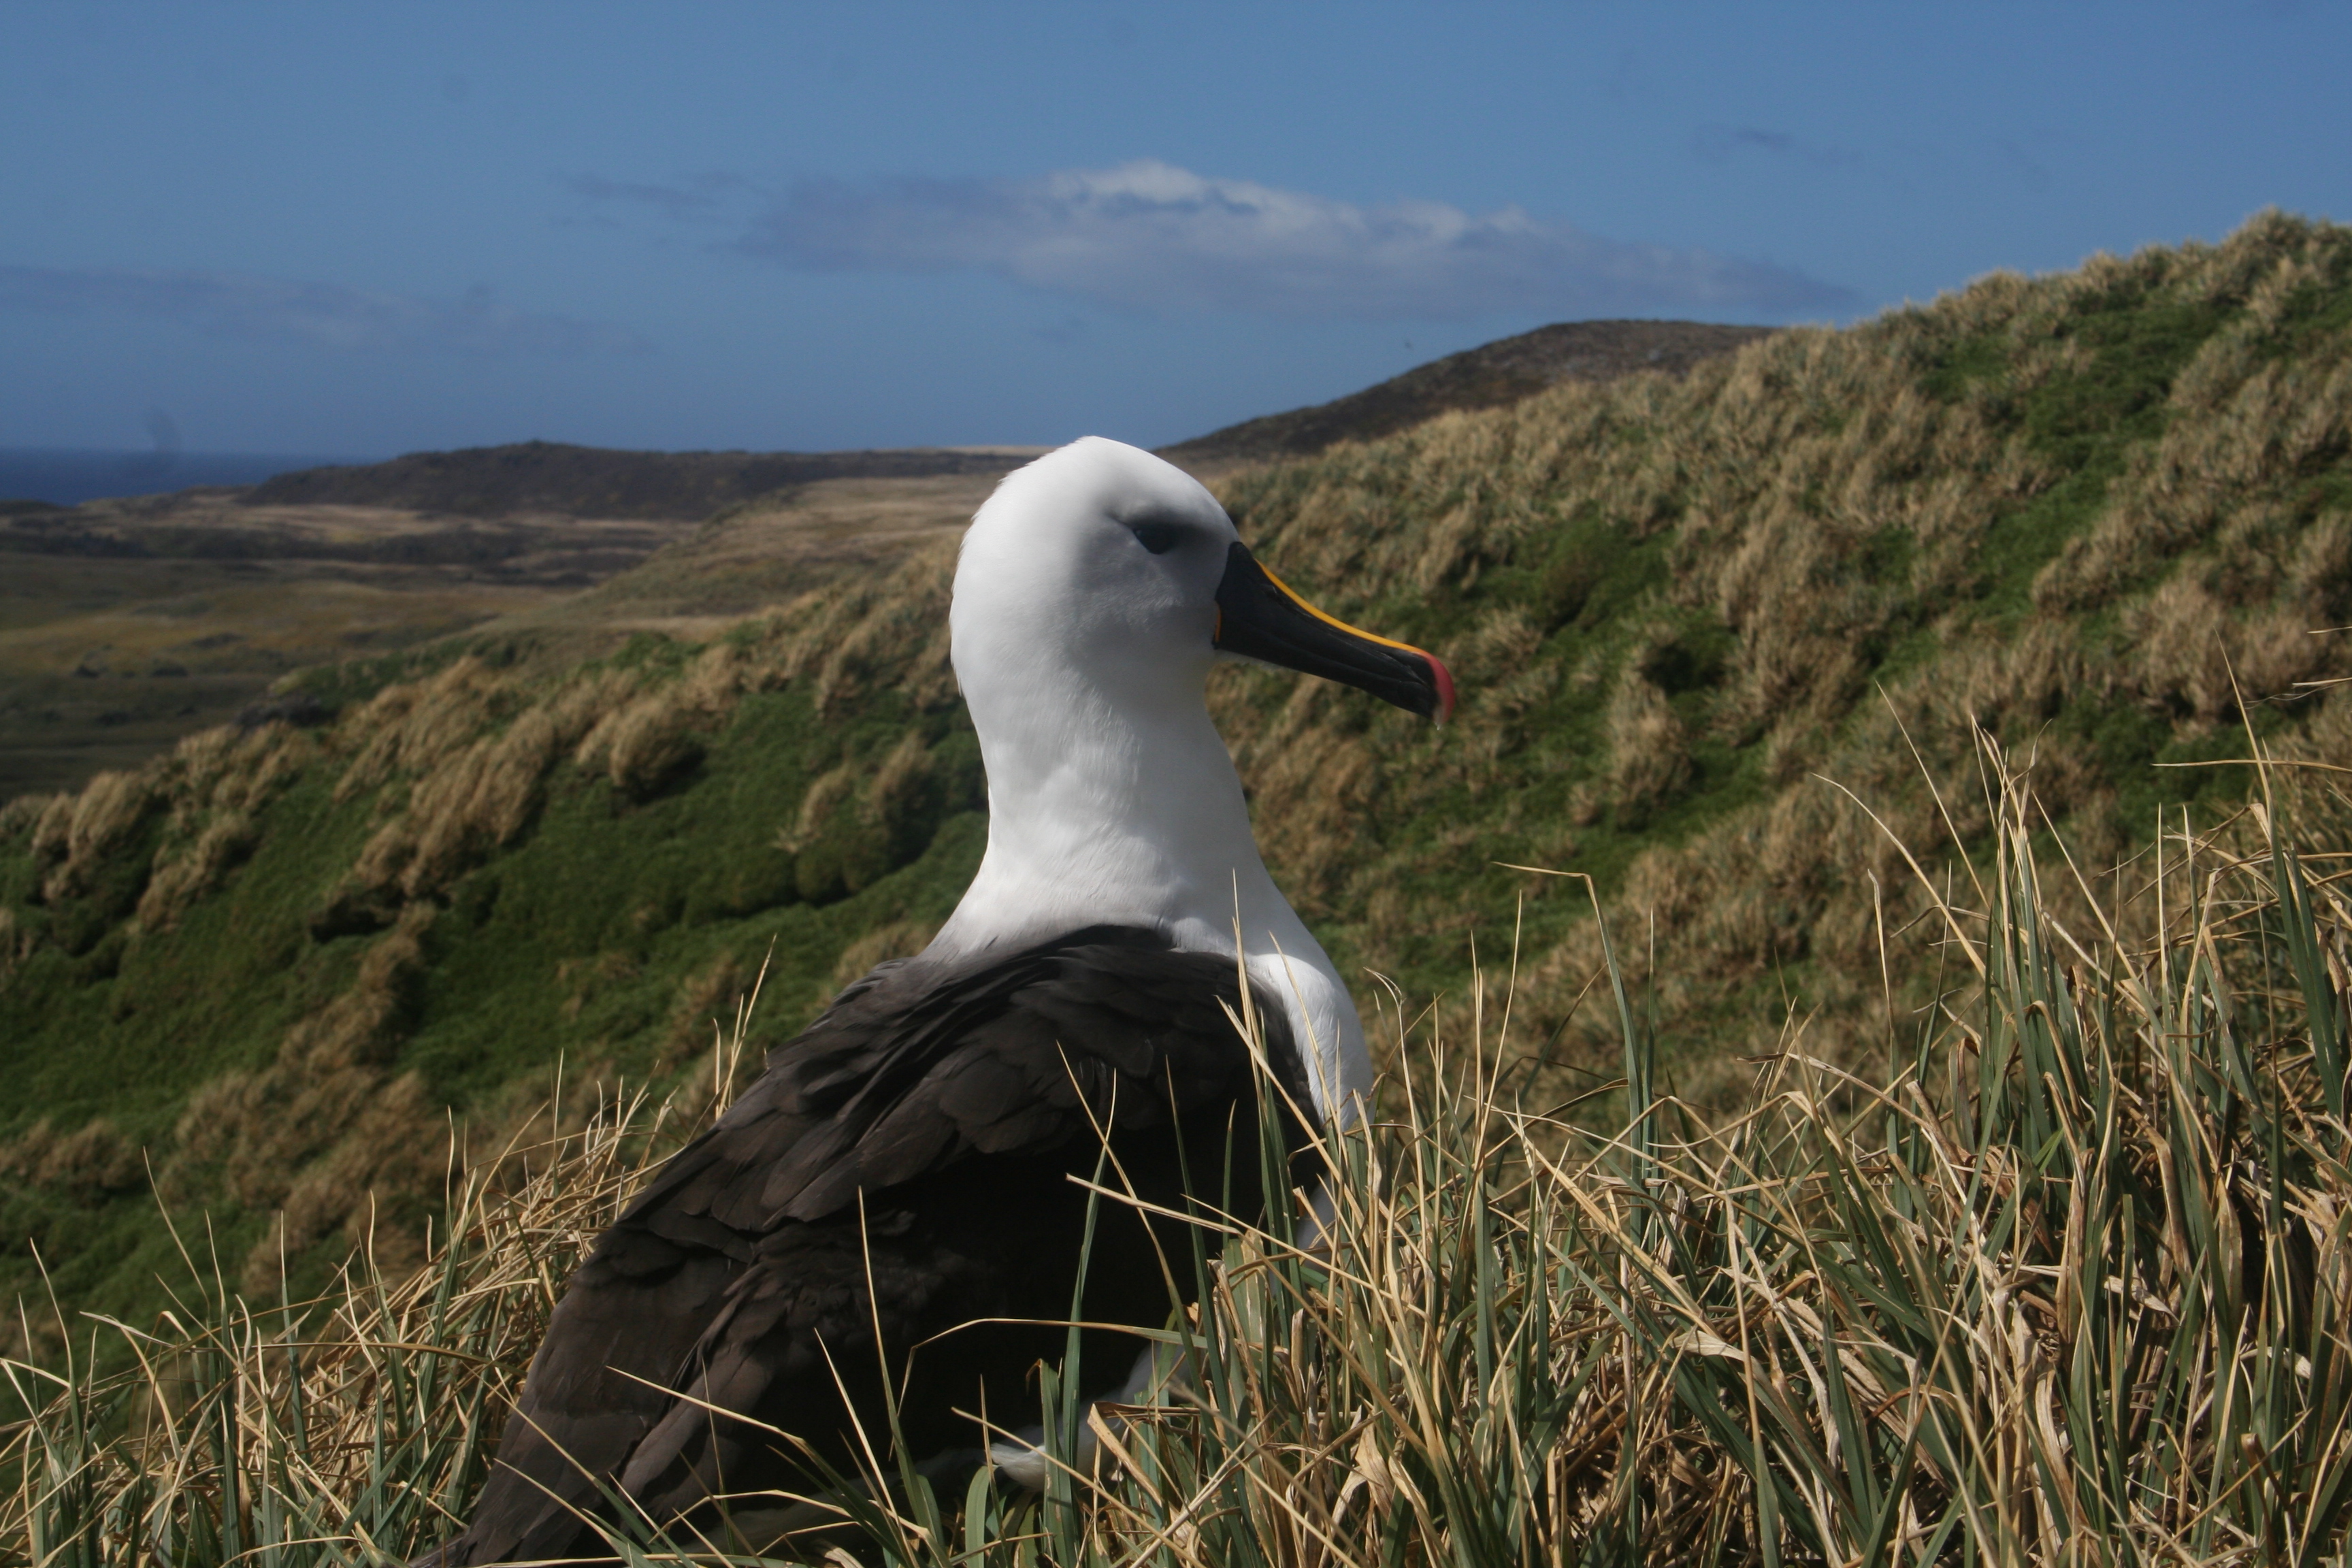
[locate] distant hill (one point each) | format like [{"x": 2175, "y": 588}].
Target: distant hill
[
  {"x": 540, "y": 476},
  {"x": 1488, "y": 376},
  {"x": 65, "y": 477}
]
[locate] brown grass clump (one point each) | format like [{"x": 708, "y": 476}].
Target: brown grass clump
[
  {"x": 830, "y": 791},
  {"x": 303, "y": 1401},
  {"x": 647, "y": 742},
  {"x": 473, "y": 802},
  {"x": 905, "y": 769},
  {"x": 589, "y": 698},
  {"x": 859, "y": 818},
  {"x": 706, "y": 998},
  {"x": 179, "y": 880},
  {"x": 329, "y": 1129},
  {"x": 1648, "y": 756},
  {"x": 74, "y": 832},
  {"x": 409, "y": 726},
  {"x": 889, "y": 629},
  {"x": 474, "y": 760},
  {"x": 208, "y": 791},
  {"x": 87, "y": 1164},
  {"x": 20, "y": 814}
]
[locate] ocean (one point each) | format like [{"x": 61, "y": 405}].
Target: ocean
[{"x": 67, "y": 476}]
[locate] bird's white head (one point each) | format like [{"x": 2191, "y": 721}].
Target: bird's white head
[
  {"x": 1097, "y": 561},
  {"x": 1102, "y": 562}
]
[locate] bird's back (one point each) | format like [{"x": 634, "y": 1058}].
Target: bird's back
[{"x": 903, "y": 1166}]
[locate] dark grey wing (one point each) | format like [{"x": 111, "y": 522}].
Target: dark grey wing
[{"x": 958, "y": 1104}]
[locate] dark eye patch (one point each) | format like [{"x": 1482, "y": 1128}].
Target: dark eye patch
[{"x": 1160, "y": 538}]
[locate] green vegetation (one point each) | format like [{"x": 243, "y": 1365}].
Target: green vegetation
[
  {"x": 2068, "y": 1285},
  {"x": 2096, "y": 516}
]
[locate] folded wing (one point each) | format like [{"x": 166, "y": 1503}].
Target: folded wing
[{"x": 749, "y": 1276}]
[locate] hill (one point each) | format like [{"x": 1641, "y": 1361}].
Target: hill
[
  {"x": 1488, "y": 376},
  {"x": 2097, "y": 515},
  {"x": 65, "y": 477},
  {"x": 594, "y": 481}
]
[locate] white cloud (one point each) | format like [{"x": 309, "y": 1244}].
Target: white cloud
[
  {"x": 320, "y": 315},
  {"x": 1152, "y": 235}
]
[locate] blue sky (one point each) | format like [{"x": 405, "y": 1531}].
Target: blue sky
[{"x": 368, "y": 229}]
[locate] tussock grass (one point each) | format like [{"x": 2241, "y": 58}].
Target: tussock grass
[
  {"x": 2069, "y": 1280},
  {"x": 346, "y": 1429}
]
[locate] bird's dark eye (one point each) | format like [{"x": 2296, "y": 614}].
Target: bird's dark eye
[{"x": 1160, "y": 538}]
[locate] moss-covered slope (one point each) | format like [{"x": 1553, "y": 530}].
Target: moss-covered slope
[{"x": 2082, "y": 512}]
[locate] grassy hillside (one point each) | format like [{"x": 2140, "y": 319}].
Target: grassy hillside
[
  {"x": 1488, "y": 376},
  {"x": 2098, "y": 514}
]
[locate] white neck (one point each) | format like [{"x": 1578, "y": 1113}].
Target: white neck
[{"x": 1113, "y": 808}]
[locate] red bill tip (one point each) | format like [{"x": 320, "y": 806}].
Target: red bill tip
[{"x": 1445, "y": 685}]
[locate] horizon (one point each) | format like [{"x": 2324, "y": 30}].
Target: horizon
[{"x": 739, "y": 228}]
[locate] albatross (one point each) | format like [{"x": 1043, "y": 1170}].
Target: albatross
[{"x": 911, "y": 1165}]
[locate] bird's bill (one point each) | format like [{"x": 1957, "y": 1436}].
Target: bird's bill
[{"x": 1259, "y": 618}]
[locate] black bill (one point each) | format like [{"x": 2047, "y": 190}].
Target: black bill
[{"x": 1260, "y": 618}]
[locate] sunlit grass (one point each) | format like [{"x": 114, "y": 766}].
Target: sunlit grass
[{"x": 2069, "y": 1282}]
